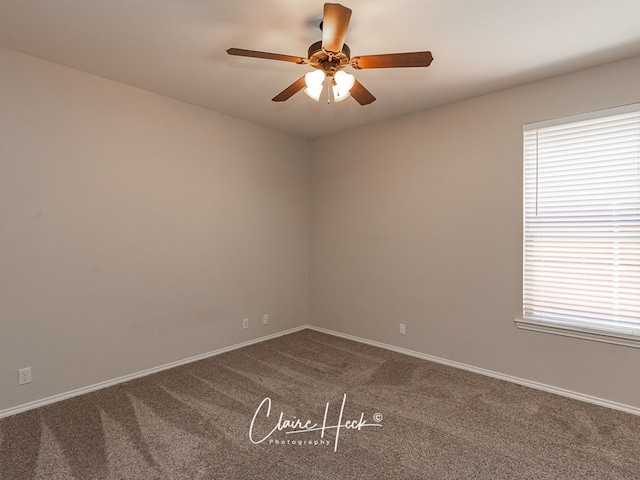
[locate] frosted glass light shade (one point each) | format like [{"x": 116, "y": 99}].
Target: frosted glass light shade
[
  {"x": 314, "y": 92},
  {"x": 314, "y": 78},
  {"x": 315, "y": 82},
  {"x": 343, "y": 82}
]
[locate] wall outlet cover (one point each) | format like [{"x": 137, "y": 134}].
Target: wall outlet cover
[{"x": 24, "y": 376}]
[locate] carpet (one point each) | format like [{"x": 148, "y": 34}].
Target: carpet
[{"x": 314, "y": 406}]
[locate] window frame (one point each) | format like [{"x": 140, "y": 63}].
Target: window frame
[{"x": 570, "y": 328}]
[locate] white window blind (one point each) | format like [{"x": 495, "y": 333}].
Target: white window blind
[{"x": 582, "y": 223}]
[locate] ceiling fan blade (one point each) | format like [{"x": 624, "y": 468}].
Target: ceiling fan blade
[
  {"x": 393, "y": 60},
  {"x": 361, "y": 94},
  {"x": 335, "y": 22},
  {"x": 290, "y": 91},
  {"x": 269, "y": 56}
]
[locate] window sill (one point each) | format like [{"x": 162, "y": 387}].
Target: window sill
[{"x": 575, "y": 332}]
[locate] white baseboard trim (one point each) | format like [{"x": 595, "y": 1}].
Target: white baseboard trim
[
  {"x": 108, "y": 383},
  {"x": 489, "y": 373}
]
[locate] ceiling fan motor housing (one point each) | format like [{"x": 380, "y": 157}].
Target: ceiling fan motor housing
[{"x": 328, "y": 62}]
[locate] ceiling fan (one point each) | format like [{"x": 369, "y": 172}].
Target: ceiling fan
[{"x": 330, "y": 56}]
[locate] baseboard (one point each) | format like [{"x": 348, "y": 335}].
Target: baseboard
[
  {"x": 108, "y": 383},
  {"x": 489, "y": 373}
]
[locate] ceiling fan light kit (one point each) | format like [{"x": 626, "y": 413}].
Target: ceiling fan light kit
[{"x": 330, "y": 56}]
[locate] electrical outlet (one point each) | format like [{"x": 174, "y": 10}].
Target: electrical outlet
[
  {"x": 24, "y": 376},
  {"x": 403, "y": 329},
  {"x": 245, "y": 323},
  {"x": 265, "y": 319}
]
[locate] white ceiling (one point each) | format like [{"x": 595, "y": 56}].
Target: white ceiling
[{"x": 178, "y": 48}]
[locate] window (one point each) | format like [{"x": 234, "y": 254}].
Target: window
[{"x": 582, "y": 226}]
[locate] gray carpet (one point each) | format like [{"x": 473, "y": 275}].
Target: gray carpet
[{"x": 436, "y": 422}]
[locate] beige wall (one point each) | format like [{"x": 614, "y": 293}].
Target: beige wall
[
  {"x": 136, "y": 230},
  {"x": 418, "y": 221}
]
